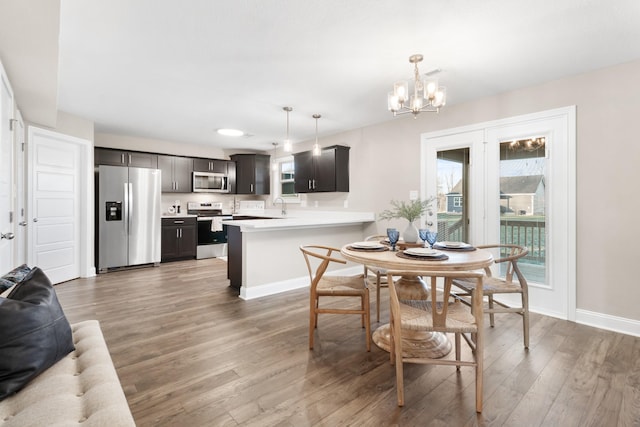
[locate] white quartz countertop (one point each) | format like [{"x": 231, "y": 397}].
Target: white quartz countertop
[
  {"x": 168, "y": 215},
  {"x": 300, "y": 219}
]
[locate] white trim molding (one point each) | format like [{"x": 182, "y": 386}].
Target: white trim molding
[{"x": 608, "y": 322}]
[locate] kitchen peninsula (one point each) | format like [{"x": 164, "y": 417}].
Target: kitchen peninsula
[{"x": 264, "y": 256}]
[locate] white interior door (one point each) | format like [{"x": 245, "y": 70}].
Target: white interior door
[
  {"x": 54, "y": 204},
  {"x": 20, "y": 218},
  {"x": 6, "y": 174}
]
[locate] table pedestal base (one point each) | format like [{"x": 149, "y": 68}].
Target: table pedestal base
[
  {"x": 432, "y": 345},
  {"x": 418, "y": 344}
]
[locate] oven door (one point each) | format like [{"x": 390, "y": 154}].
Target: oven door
[
  {"x": 212, "y": 237},
  {"x": 211, "y": 231}
]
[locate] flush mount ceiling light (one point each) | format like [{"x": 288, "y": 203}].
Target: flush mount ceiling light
[
  {"x": 316, "y": 146},
  {"x": 287, "y": 142},
  {"x": 230, "y": 132},
  {"x": 427, "y": 95}
]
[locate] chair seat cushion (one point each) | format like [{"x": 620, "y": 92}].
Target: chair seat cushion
[
  {"x": 491, "y": 285},
  {"x": 416, "y": 316},
  {"x": 341, "y": 285}
]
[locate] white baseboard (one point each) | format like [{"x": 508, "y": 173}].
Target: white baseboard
[
  {"x": 289, "y": 284},
  {"x": 585, "y": 317},
  {"x": 609, "y": 322}
]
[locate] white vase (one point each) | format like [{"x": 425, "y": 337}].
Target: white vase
[{"x": 410, "y": 234}]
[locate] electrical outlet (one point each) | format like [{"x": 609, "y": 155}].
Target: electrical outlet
[{"x": 413, "y": 195}]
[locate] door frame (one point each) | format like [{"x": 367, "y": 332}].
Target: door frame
[
  {"x": 86, "y": 249},
  {"x": 562, "y": 123}
]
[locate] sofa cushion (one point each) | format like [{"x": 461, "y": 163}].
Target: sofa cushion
[
  {"x": 34, "y": 332},
  {"x": 14, "y": 276}
]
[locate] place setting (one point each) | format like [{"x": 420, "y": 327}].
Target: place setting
[
  {"x": 454, "y": 246},
  {"x": 426, "y": 253},
  {"x": 367, "y": 246}
]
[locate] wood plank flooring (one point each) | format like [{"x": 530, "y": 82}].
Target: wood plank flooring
[{"x": 189, "y": 352}]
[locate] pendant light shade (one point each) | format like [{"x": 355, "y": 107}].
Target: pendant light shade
[
  {"x": 287, "y": 142},
  {"x": 316, "y": 146}
]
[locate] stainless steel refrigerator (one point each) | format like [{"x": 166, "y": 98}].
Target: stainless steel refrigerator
[{"x": 129, "y": 216}]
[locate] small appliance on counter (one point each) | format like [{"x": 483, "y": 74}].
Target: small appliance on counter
[{"x": 212, "y": 235}]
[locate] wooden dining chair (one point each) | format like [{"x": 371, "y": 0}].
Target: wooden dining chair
[
  {"x": 376, "y": 275},
  {"x": 318, "y": 258},
  {"x": 509, "y": 254},
  {"x": 438, "y": 313}
]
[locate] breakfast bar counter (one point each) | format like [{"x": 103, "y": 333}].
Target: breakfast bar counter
[{"x": 264, "y": 256}]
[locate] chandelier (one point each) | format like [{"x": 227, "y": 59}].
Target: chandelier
[{"x": 427, "y": 95}]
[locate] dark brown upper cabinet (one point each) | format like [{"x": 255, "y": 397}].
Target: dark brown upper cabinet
[{"x": 328, "y": 172}]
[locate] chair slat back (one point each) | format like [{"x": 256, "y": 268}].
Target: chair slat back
[
  {"x": 440, "y": 297},
  {"x": 512, "y": 254},
  {"x": 323, "y": 255}
]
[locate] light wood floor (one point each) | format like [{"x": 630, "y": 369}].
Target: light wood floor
[{"x": 189, "y": 352}]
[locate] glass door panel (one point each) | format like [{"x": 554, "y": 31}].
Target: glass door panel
[
  {"x": 523, "y": 202},
  {"x": 452, "y": 183}
]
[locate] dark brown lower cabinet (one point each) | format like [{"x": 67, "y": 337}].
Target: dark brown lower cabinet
[{"x": 179, "y": 238}]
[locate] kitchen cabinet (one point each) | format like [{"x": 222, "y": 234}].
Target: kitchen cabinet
[
  {"x": 211, "y": 165},
  {"x": 176, "y": 173},
  {"x": 179, "y": 238},
  {"x": 252, "y": 173},
  {"x": 112, "y": 157},
  {"x": 324, "y": 173}
]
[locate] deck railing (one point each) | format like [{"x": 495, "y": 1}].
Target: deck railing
[{"x": 517, "y": 230}]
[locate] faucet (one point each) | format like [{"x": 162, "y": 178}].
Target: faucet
[{"x": 284, "y": 205}]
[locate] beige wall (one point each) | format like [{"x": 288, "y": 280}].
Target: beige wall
[
  {"x": 385, "y": 165},
  {"x": 157, "y": 146}
]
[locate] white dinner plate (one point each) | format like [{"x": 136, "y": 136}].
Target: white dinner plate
[
  {"x": 454, "y": 244},
  {"x": 422, "y": 252},
  {"x": 367, "y": 245}
]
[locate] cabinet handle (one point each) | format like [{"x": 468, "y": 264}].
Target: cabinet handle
[
  {"x": 122, "y": 158},
  {"x": 180, "y": 232},
  {"x": 178, "y": 222},
  {"x": 129, "y": 158},
  {"x": 177, "y": 233},
  {"x": 251, "y": 187},
  {"x": 309, "y": 184},
  {"x": 314, "y": 184}
]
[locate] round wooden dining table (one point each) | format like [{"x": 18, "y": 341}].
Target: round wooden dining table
[{"x": 410, "y": 286}]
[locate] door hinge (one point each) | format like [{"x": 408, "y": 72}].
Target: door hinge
[
  {"x": 22, "y": 146},
  {"x": 10, "y": 217},
  {"x": 11, "y": 122}
]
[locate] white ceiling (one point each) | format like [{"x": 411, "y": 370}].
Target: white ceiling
[{"x": 177, "y": 71}]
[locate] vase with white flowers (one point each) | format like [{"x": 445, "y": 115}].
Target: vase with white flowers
[{"x": 411, "y": 211}]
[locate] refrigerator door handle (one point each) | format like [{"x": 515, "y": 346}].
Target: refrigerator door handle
[
  {"x": 126, "y": 208},
  {"x": 130, "y": 203}
]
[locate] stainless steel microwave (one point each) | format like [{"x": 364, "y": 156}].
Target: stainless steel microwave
[{"x": 207, "y": 182}]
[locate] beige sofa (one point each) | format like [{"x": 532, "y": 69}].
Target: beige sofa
[{"x": 81, "y": 389}]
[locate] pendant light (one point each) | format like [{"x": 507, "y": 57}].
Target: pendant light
[
  {"x": 274, "y": 161},
  {"x": 287, "y": 142},
  {"x": 316, "y": 146}
]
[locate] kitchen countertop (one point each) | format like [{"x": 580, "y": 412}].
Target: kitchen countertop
[
  {"x": 299, "y": 219},
  {"x": 168, "y": 215}
]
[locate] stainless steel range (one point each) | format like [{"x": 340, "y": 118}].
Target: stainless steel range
[{"x": 212, "y": 235}]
